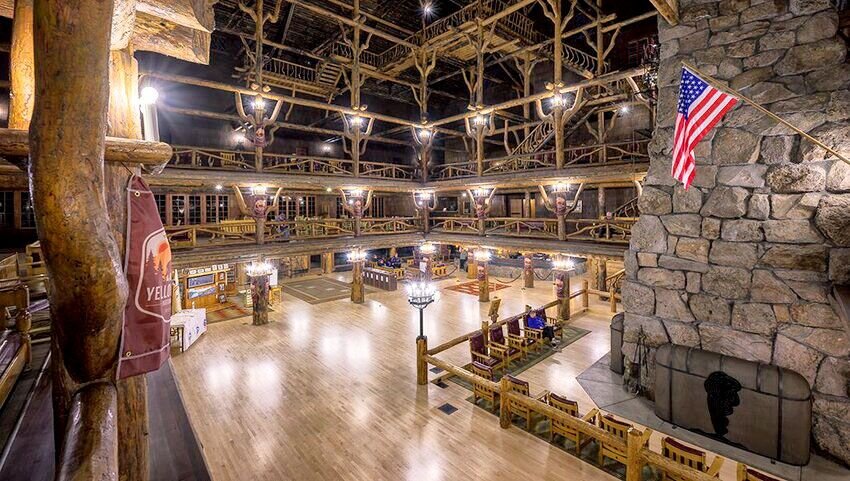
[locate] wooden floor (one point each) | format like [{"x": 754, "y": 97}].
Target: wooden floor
[{"x": 328, "y": 392}]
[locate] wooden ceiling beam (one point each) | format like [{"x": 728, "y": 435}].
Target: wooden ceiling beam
[{"x": 669, "y": 9}]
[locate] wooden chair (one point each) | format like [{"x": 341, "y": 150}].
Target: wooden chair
[
  {"x": 617, "y": 428},
  {"x": 479, "y": 391},
  {"x": 499, "y": 347},
  {"x": 478, "y": 350},
  {"x": 518, "y": 340},
  {"x": 688, "y": 456},
  {"x": 747, "y": 474},
  {"x": 562, "y": 429},
  {"x": 514, "y": 408}
]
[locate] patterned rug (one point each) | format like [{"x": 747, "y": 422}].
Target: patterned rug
[
  {"x": 471, "y": 288},
  {"x": 570, "y": 335},
  {"x": 226, "y": 313},
  {"x": 320, "y": 289}
]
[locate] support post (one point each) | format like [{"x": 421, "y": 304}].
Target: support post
[
  {"x": 504, "y": 412},
  {"x": 528, "y": 271},
  {"x": 633, "y": 456},
  {"x": 612, "y": 299},
  {"x": 421, "y": 364},
  {"x": 562, "y": 294},
  {"x": 260, "y": 299},
  {"x": 585, "y": 295},
  {"x": 327, "y": 262},
  {"x": 358, "y": 291},
  {"x": 22, "y": 76},
  {"x": 471, "y": 268},
  {"x": 483, "y": 282}
]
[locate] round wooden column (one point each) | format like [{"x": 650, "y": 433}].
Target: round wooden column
[
  {"x": 483, "y": 282},
  {"x": 562, "y": 293},
  {"x": 421, "y": 365},
  {"x": 260, "y": 299},
  {"x": 358, "y": 290},
  {"x": 22, "y": 76},
  {"x": 528, "y": 271},
  {"x": 327, "y": 263},
  {"x": 471, "y": 267}
]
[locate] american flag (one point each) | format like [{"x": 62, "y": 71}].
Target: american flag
[{"x": 701, "y": 106}]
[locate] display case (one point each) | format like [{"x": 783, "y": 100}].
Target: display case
[{"x": 205, "y": 287}]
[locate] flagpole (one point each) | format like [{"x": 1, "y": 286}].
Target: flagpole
[{"x": 731, "y": 91}]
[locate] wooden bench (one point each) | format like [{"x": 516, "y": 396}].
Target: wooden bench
[{"x": 380, "y": 278}]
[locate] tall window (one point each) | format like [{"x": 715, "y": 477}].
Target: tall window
[
  {"x": 178, "y": 210},
  {"x": 160, "y": 206},
  {"x": 217, "y": 208},
  {"x": 7, "y": 209},
  {"x": 194, "y": 209},
  {"x": 299, "y": 206},
  {"x": 377, "y": 208},
  {"x": 27, "y": 211}
]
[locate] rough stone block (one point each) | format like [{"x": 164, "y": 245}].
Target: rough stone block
[
  {"x": 796, "y": 178},
  {"x": 815, "y": 315},
  {"x": 649, "y": 235},
  {"x": 821, "y": 26},
  {"x": 670, "y": 304},
  {"x": 810, "y": 291},
  {"x": 754, "y": 317},
  {"x": 839, "y": 266},
  {"x": 759, "y": 207},
  {"x": 829, "y": 79},
  {"x": 654, "y": 201},
  {"x": 647, "y": 259},
  {"x": 769, "y": 288},
  {"x": 751, "y": 175},
  {"x": 686, "y": 201},
  {"x": 751, "y": 77},
  {"x": 727, "y": 282},
  {"x": 733, "y": 254},
  {"x": 692, "y": 282},
  {"x": 678, "y": 264},
  {"x": 693, "y": 249},
  {"x": 777, "y": 40},
  {"x": 706, "y": 308},
  {"x": 834, "y": 135},
  {"x": 682, "y": 224},
  {"x": 744, "y": 345},
  {"x": 763, "y": 11},
  {"x": 710, "y": 228},
  {"x": 658, "y": 277},
  {"x": 794, "y": 206},
  {"x": 778, "y": 149},
  {"x": 741, "y": 230},
  {"x": 652, "y": 327},
  {"x": 726, "y": 202},
  {"x": 811, "y": 56},
  {"x": 831, "y": 426},
  {"x": 797, "y": 357},
  {"x": 735, "y": 146},
  {"x": 833, "y": 377},
  {"x": 638, "y": 299},
  {"x": 833, "y": 218},
  {"x": 805, "y": 7},
  {"x": 791, "y": 231}
]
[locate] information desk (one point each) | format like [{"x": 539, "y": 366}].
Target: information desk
[
  {"x": 187, "y": 326},
  {"x": 204, "y": 287}
]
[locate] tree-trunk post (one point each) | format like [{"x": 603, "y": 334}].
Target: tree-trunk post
[
  {"x": 633, "y": 455},
  {"x": 485, "y": 329},
  {"x": 327, "y": 263},
  {"x": 22, "y": 76},
  {"x": 260, "y": 230},
  {"x": 260, "y": 298},
  {"x": 585, "y": 294},
  {"x": 528, "y": 271},
  {"x": 471, "y": 267},
  {"x": 67, "y": 137},
  {"x": 562, "y": 294},
  {"x": 358, "y": 293},
  {"x": 483, "y": 282},
  {"x": 504, "y": 412},
  {"x": 562, "y": 227},
  {"x": 421, "y": 364},
  {"x": 612, "y": 299}
]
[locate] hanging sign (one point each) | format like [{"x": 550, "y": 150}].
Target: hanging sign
[{"x": 145, "y": 338}]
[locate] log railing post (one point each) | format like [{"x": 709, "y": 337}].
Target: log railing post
[
  {"x": 612, "y": 299},
  {"x": 585, "y": 294},
  {"x": 504, "y": 412},
  {"x": 421, "y": 363},
  {"x": 528, "y": 271},
  {"x": 634, "y": 445}
]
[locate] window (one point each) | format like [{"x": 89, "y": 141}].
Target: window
[
  {"x": 178, "y": 210},
  {"x": 377, "y": 208},
  {"x": 7, "y": 209},
  {"x": 216, "y": 208},
  {"x": 27, "y": 211},
  {"x": 160, "y": 206},
  {"x": 194, "y": 209},
  {"x": 639, "y": 50},
  {"x": 298, "y": 206}
]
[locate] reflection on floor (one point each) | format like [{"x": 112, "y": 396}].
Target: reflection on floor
[
  {"x": 329, "y": 393},
  {"x": 317, "y": 290}
]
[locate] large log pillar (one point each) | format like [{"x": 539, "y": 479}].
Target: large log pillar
[
  {"x": 83, "y": 259},
  {"x": 22, "y": 76},
  {"x": 260, "y": 298},
  {"x": 562, "y": 293},
  {"x": 528, "y": 271},
  {"x": 327, "y": 262},
  {"x": 358, "y": 290},
  {"x": 483, "y": 282}
]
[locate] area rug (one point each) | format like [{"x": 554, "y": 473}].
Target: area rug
[
  {"x": 472, "y": 287},
  {"x": 320, "y": 289},
  {"x": 226, "y": 313},
  {"x": 570, "y": 335}
]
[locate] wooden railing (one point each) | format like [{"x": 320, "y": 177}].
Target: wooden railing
[
  {"x": 390, "y": 225},
  {"x": 290, "y": 70},
  {"x": 601, "y": 154},
  {"x": 458, "y": 225},
  {"x": 635, "y": 445},
  {"x": 615, "y": 230},
  {"x": 515, "y": 227},
  {"x": 195, "y": 157}
]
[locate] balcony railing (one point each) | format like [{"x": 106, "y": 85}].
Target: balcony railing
[
  {"x": 616, "y": 230},
  {"x": 192, "y": 157},
  {"x": 601, "y": 154}
]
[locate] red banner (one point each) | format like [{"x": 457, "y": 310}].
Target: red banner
[{"x": 145, "y": 338}]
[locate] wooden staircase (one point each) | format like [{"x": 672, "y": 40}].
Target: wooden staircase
[
  {"x": 328, "y": 74},
  {"x": 535, "y": 140}
]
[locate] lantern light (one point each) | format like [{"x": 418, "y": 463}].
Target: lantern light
[
  {"x": 148, "y": 96},
  {"x": 258, "y": 190},
  {"x": 563, "y": 263},
  {"x": 561, "y": 187},
  {"x": 482, "y": 255},
  {"x": 427, "y": 248}
]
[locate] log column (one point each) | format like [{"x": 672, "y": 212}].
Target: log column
[
  {"x": 562, "y": 293},
  {"x": 358, "y": 290},
  {"x": 22, "y": 76},
  {"x": 528, "y": 271},
  {"x": 260, "y": 297},
  {"x": 327, "y": 263},
  {"x": 421, "y": 364},
  {"x": 67, "y": 138},
  {"x": 483, "y": 279}
]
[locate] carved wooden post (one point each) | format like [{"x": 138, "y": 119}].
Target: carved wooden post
[
  {"x": 260, "y": 296},
  {"x": 471, "y": 268},
  {"x": 22, "y": 75},
  {"x": 482, "y": 203},
  {"x": 358, "y": 290},
  {"x": 585, "y": 295},
  {"x": 425, "y": 204},
  {"x": 561, "y": 207},
  {"x": 356, "y": 206},
  {"x": 562, "y": 293},
  {"x": 67, "y": 137},
  {"x": 504, "y": 412},
  {"x": 633, "y": 455},
  {"x": 483, "y": 281},
  {"x": 421, "y": 365},
  {"x": 528, "y": 271}
]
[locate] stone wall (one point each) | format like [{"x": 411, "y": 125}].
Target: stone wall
[{"x": 743, "y": 262}]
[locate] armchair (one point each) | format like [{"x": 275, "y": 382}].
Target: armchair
[
  {"x": 478, "y": 350},
  {"x": 479, "y": 391},
  {"x": 514, "y": 408},
  {"x": 499, "y": 347},
  {"x": 562, "y": 429},
  {"x": 688, "y": 456},
  {"x": 523, "y": 342},
  {"x": 747, "y": 474},
  {"x": 617, "y": 428}
]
